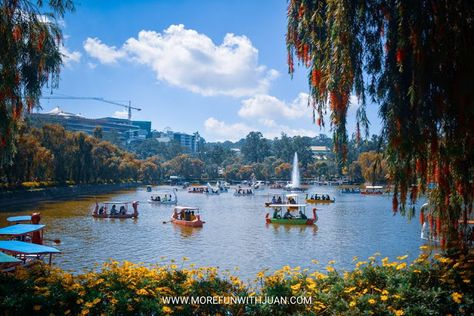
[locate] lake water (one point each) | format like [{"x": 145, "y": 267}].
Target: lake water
[{"x": 235, "y": 233}]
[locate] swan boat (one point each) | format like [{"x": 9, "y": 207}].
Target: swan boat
[
  {"x": 102, "y": 210},
  {"x": 181, "y": 216},
  {"x": 297, "y": 219},
  {"x": 165, "y": 197},
  {"x": 317, "y": 199}
]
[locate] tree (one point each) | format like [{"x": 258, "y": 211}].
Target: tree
[
  {"x": 30, "y": 57},
  {"x": 414, "y": 58},
  {"x": 255, "y": 147},
  {"x": 372, "y": 167}
]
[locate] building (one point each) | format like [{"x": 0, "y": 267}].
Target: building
[
  {"x": 321, "y": 152},
  {"x": 187, "y": 141},
  {"x": 112, "y": 128}
]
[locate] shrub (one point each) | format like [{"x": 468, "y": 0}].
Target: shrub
[{"x": 436, "y": 286}]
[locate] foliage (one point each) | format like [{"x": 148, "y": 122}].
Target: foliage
[
  {"x": 30, "y": 57},
  {"x": 54, "y": 155},
  {"x": 376, "y": 286},
  {"x": 414, "y": 59},
  {"x": 255, "y": 147},
  {"x": 372, "y": 167}
]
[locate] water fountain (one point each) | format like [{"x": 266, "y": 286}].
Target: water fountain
[{"x": 295, "y": 184}]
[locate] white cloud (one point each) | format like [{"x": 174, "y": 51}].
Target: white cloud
[
  {"x": 91, "y": 65},
  {"x": 276, "y": 132},
  {"x": 191, "y": 60},
  {"x": 222, "y": 131},
  {"x": 69, "y": 57},
  {"x": 270, "y": 107},
  {"x": 121, "y": 114},
  {"x": 105, "y": 54}
]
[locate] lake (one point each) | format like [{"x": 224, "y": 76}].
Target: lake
[{"x": 235, "y": 233}]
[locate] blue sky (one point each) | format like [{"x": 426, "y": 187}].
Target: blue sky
[{"x": 217, "y": 67}]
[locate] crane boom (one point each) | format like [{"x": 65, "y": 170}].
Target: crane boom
[{"x": 129, "y": 106}]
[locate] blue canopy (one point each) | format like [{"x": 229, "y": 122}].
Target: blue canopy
[
  {"x": 20, "y": 229},
  {"x": 14, "y": 246},
  {"x": 4, "y": 258},
  {"x": 22, "y": 218}
]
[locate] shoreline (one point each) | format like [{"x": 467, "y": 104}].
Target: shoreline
[{"x": 10, "y": 199}]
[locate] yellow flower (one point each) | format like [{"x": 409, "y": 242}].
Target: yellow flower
[
  {"x": 466, "y": 281},
  {"x": 311, "y": 286},
  {"x": 352, "y": 304},
  {"x": 166, "y": 310},
  {"x": 402, "y": 257},
  {"x": 142, "y": 292},
  {"x": 350, "y": 289},
  {"x": 261, "y": 274},
  {"x": 384, "y": 292},
  {"x": 355, "y": 258},
  {"x": 185, "y": 258},
  {"x": 383, "y": 297},
  {"x": 37, "y": 307},
  {"x": 330, "y": 269},
  {"x": 315, "y": 261},
  {"x": 399, "y": 312},
  {"x": 296, "y": 287},
  {"x": 417, "y": 271},
  {"x": 423, "y": 247},
  {"x": 401, "y": 266},
  {"x": 371, "y": 301},
  {"x": 456, "y": 297}
]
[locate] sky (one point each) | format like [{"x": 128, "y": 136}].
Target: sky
[{"x": 213, "y": 66}]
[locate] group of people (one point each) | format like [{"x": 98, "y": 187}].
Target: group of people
[
  {"x": 278, "y": 200},
  {"x": 241, "y": 191},
  {"x": 113, "y": 210},
  {"x": 184, "y": 215},
  {"x": 323, "y": 197},
  {"x": 288, "y": 215},
  {"x": 157, "y": 198}
]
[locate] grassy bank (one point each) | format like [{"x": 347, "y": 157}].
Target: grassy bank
[{"x": 438, "y": 286}]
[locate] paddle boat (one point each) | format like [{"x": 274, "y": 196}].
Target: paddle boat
[
  {"x": 258, "y": 185},
  {"x": 19, "y": 219},
  {"x": 166, "y": 197},
  {"x": 27, "y": 252},
  {"x": 350, "y": 191},
  {"x": 319, "y": 199},
  {"x": 198, "y": 189},
  {"x": 243, "y": 192},
  {"x": 372, "y": 190},
  {"x": 117, "y": 210},
  {"x": 184, "y": 216},
  {"x": 297, "y": 218},
  {"x": 8, "y": 263},
  {"x": 213, "y": 190},
  {"x": 24, "y": 232},
  {"x": 291, "y": 198}
]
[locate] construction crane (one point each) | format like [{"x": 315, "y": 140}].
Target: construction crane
[{"x": 129, "y": 107}]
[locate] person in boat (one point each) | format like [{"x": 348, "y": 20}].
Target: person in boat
[
  {"x": 181, "y": 215},
  {"x": 113, "y": 211},
  {"x": 276, "y": 213},
  {"x": 101, "y": 210},
  {"x": 122, "y": 211},
  {"x": 291, "y": 200},
  {"x": 193, "y": 217},
  {"x": 303, "y": 215},
  {"x": 279, "y": 200},
  {"x": 274, "y": 200},
  {"x": 187, "y": 216},
  {"x": 287, "y": 215},
  {"x": 175, "y": 214}
]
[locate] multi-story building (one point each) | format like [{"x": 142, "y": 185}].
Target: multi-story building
[
  {"x": 122, "y": 129},
  {"x": 190, "y": 142}
]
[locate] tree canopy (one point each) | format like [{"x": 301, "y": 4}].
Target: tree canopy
[
  {"x": 30, "y": 57},
  {"x": 414, "y": 59}
]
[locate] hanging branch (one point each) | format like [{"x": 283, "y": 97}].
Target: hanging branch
[{"x": 413, "y": 58}]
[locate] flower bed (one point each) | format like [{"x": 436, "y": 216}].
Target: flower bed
[{"x": 437, "y": 286}]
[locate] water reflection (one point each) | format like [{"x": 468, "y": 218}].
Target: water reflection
[{"x": 235, "y": 232}]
